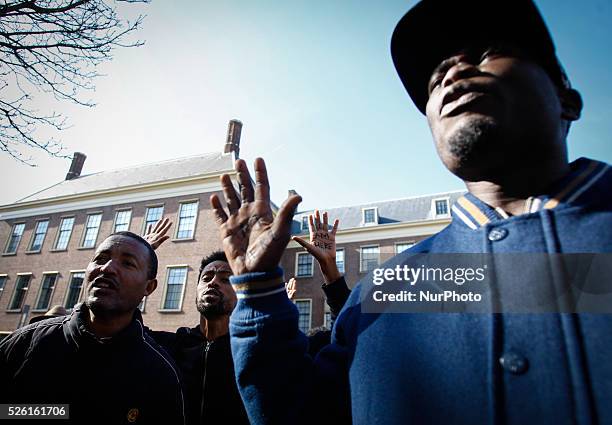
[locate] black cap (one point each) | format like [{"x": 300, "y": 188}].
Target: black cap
[{"x": 434, "y": 30}]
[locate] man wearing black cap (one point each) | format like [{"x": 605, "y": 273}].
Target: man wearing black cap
[{"x": 499, "y": 106}]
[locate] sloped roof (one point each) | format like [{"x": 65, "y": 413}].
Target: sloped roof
[
  {"x": 175, "y": 169},
  {"x": 394, "y": 211}
]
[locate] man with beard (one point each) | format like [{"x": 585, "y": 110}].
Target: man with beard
[
  {"x": 486, "y": 75},
  {"x": 203, "y": 352},
  {"x": 112, "y": 371}
]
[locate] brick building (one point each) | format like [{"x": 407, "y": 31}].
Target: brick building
[
  {"x": 49, "y": 237},
  {"x": 367, "y": 236}
]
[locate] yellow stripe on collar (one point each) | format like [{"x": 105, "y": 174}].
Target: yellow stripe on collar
[{"x": 473, "y": 210}]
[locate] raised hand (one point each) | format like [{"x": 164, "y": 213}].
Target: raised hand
[
  {"x": 322, "y": 245},
  {"x": 291, "y": 288},
  {"x": 156, "y": 235},
  {"x": 253, "y": 239}
]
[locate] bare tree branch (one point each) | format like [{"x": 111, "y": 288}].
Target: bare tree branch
[{"x": 52, "y": 48}]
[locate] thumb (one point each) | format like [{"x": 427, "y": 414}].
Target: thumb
[{"x": 308, "y": 246}]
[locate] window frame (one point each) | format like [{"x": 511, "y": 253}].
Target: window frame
[
  {"x": 42, "y": 281},
  {"x": 144, "y": 218},
  {"x": 101, "y": 214},
  {"x": 33, "y": 237},
  {"x": 302, "y": 228},
  {"x": 297, "y": 264},
  {"x": 178, "y": 219},
  {"x": 26, "y": 289},
  {"x": 363, "y": 216},
  {"x": 10, "y": 237},
  {"x": 5, "y": 276},
  {"x": 117, "y": 212},
  {"x": 343, "y": 271},
  {"x": 295, "y": 301},
  {"x": 411, "y": 243},
  {"x": 434, "y": 209},
  {"x": 361, "y": 248},
  {"x": 59, "y": 231},
  {"x": 163, "y": 298},
  {"x": 71, "y": 275}
]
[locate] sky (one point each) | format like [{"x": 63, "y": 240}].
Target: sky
[{"x": 315, "y": 87}]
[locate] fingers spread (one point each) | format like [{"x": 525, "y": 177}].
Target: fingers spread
[
  {"x": 325, "y": 223},
  {"x": 262, "y": 185},
  {"x": 244, "y": 178},
  {"x": 220, "y": 216},
  {"x": 335, "y": 229},
  {"x": 231, "y": 198},
  {"x": 311, "y": 225}
]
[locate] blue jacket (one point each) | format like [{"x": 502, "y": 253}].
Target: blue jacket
[{"x": 443, "y": 368}]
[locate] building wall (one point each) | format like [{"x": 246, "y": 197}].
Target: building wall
[
  {"x": 173, "y": 252},
  {"x": 178, "y": 252}
]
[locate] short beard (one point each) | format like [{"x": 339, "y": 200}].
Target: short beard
[
  {"x": 472, "y": 148},
  {"x": 211, "y": 310}
]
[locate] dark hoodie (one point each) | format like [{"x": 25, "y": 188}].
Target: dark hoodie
[{"x": 126, "y": 378}]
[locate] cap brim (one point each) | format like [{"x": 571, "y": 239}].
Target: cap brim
[{"x": 437, "y": 29}]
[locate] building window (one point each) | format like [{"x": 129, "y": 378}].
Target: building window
[
  {"x": 2, "y": 283},
  {"x": 64, "y": 232},
  {"x": 46, "y": 289},
  {"x": 15, "y": 238},
  {"x": 441, "y": 207},
  {"x": 141, "y": 306},
  {"x": 369, "y": 257},
  {"x": 327, "y": 320},
  {"x": 74, "y": 289},
  {"x": 340, "y": 259},
  {"x": 370, "y": 216},
  {"x": 187, "y": 219},
  {"x": 304, "y": 310},
  {"x": 304, "y": 223},
  {"x": 403, "y": 246},
  {"x": 304, "y": 264},
  {"x": 21, "y": 288},
  {"x": 175, "y": 283},
  {"x": 152, "y": 216},
  {"x": 39, "y": 235},
  {"x": 122, "y": 220},
  {"x": 91, "y": 230}
]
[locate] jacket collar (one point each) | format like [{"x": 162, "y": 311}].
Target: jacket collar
[
  {"x": 77, "y": 333},
  {"x": 578, "y": 185}
]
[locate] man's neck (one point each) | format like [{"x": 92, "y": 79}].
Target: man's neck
[
  {"x": 214, "y": 327},
  {"x": 104, "y": 327},
  {"x": 510, "y": 190}
]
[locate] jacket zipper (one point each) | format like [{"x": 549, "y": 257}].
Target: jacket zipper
[{"x": 204, "y": 367}]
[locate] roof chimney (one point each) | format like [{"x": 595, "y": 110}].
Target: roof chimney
[
  {"x": 78, "y": 159},
  {"x": 232, "y": 144}
]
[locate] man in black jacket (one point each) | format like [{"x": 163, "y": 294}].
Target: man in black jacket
[
  {"x": 112, "y": 370},
  {"x": 203, "y": 352}
]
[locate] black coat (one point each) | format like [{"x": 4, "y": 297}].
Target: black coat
[
  {"x": 104, "y": 381},
  {"x": 208, "y": 374}
]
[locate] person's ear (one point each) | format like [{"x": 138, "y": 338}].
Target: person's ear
[
  {"x": 151, "y": 286},
  {"x": 571, "y": 104}
]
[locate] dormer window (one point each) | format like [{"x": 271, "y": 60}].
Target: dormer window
[
  {"x": 440, "y": 207},
  {"x": 370, "y": 216},
  {"x": 304, "y": 223}
]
